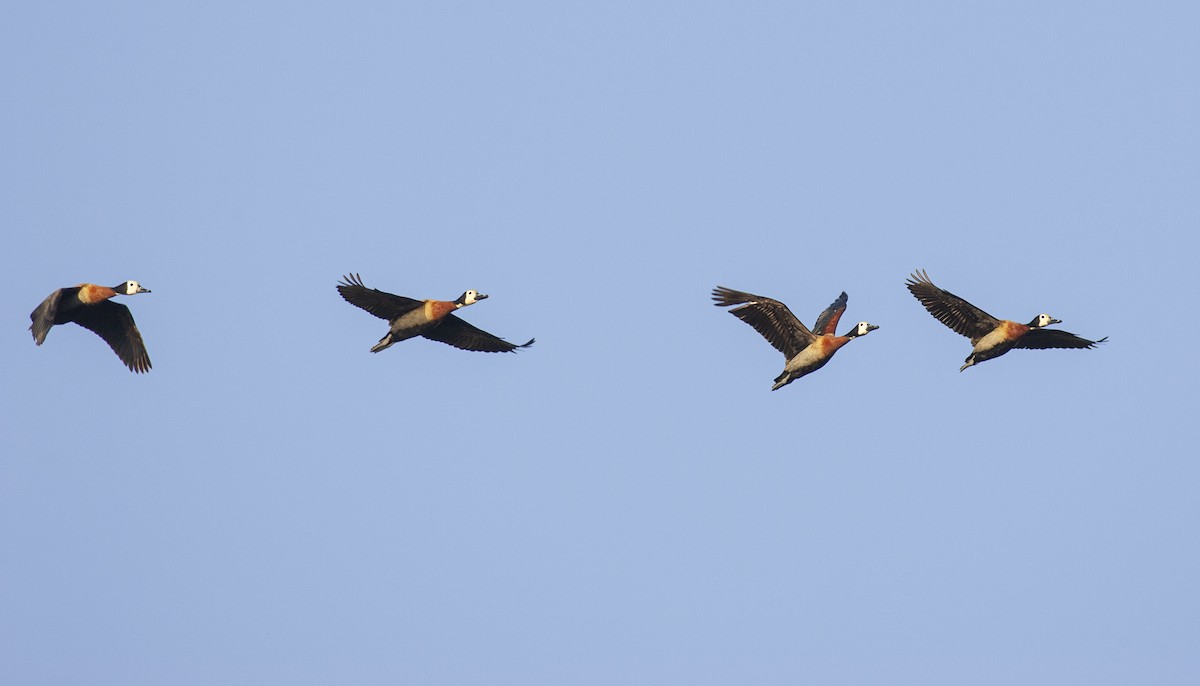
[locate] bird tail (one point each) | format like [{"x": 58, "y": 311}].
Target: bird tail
[{"x": 383, "y": 344}]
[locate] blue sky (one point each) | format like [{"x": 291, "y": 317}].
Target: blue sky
[{"x": 625, "y": 502}]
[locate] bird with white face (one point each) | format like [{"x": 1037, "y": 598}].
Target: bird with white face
[
  {"x": 805, "y": 351},
  {"x": 91, "y": 307}
]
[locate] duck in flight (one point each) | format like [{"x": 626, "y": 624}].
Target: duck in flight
[
  {"x": 990, "y": 337},
  {"x": 433, "y": 319},
  {"x": 806, "y": 351},
  {"x": 91, "y": 307}
]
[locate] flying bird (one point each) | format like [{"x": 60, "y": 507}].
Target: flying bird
[
  {"x": 991, "y": 337},
  {"x": 806, "y": 351},
  {"x": 89, "y": 306},
  {"x": 432, "y": 319}
]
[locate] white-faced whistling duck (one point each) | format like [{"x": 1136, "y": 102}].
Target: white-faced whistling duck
[
  {"x": 806, "y": 351},
  {"x": 429, "y": 318},
  {"x": 990, "y": 337},
  {"x": 88, "y": 305}
]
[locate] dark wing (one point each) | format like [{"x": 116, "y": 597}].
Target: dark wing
[
  {"x": 1040, "y": 339},
  {"x": 382, "y": 305},
  {"x": 43, "y": 316},
  {"x": 454, "y": 331},
  {"x": 828, "y": 320},
  {"x": 113, "y": 322},
  {"x": 770, "y": 318},
  {"x": 961, "y": 316}
]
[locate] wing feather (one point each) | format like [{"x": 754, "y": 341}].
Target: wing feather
[
  {"x": 382, "y": 305},
  {"x": 959, "y": 315},
  {"x": 114, "y": 323},
  {"x": 769, "y": 317},
  {"x": 458, "y": 333},
  {"x": 1041, "y": 339},
  {"x": 43, "y": 316},
  {"x": 828, "y": 320}
]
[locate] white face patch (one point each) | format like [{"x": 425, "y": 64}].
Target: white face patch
[{"x": 131, "y": 287}]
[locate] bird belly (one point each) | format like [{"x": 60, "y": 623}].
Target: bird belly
[
  {"x": 807, "y": 361},
  {"x": 995, "y": 344},
  {"x": 409, "y": 324}
]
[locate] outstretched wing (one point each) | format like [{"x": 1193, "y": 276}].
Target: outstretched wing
[
  {"x": 769, "y": 317},
  {"x": 113, "y": 322},
  {"x": 961, "y": 316},
  {"x": 382, "y": 305},
  {"x": 828, "y": 320},
  {"x": 43, "y": 316},
  {"x": 454, "y": 331},
  {"x": 1040, "y": 339}
]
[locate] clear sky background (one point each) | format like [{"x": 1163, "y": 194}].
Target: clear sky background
[{"x": 625, "y": 502}]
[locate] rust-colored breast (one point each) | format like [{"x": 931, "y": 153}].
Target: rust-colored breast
[
  {"x": 830, "y": 344},
  {"x": 1013, "y": 330},
  {"x": 437, "y": 309},
  {"x": 90, "y": 293}
]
